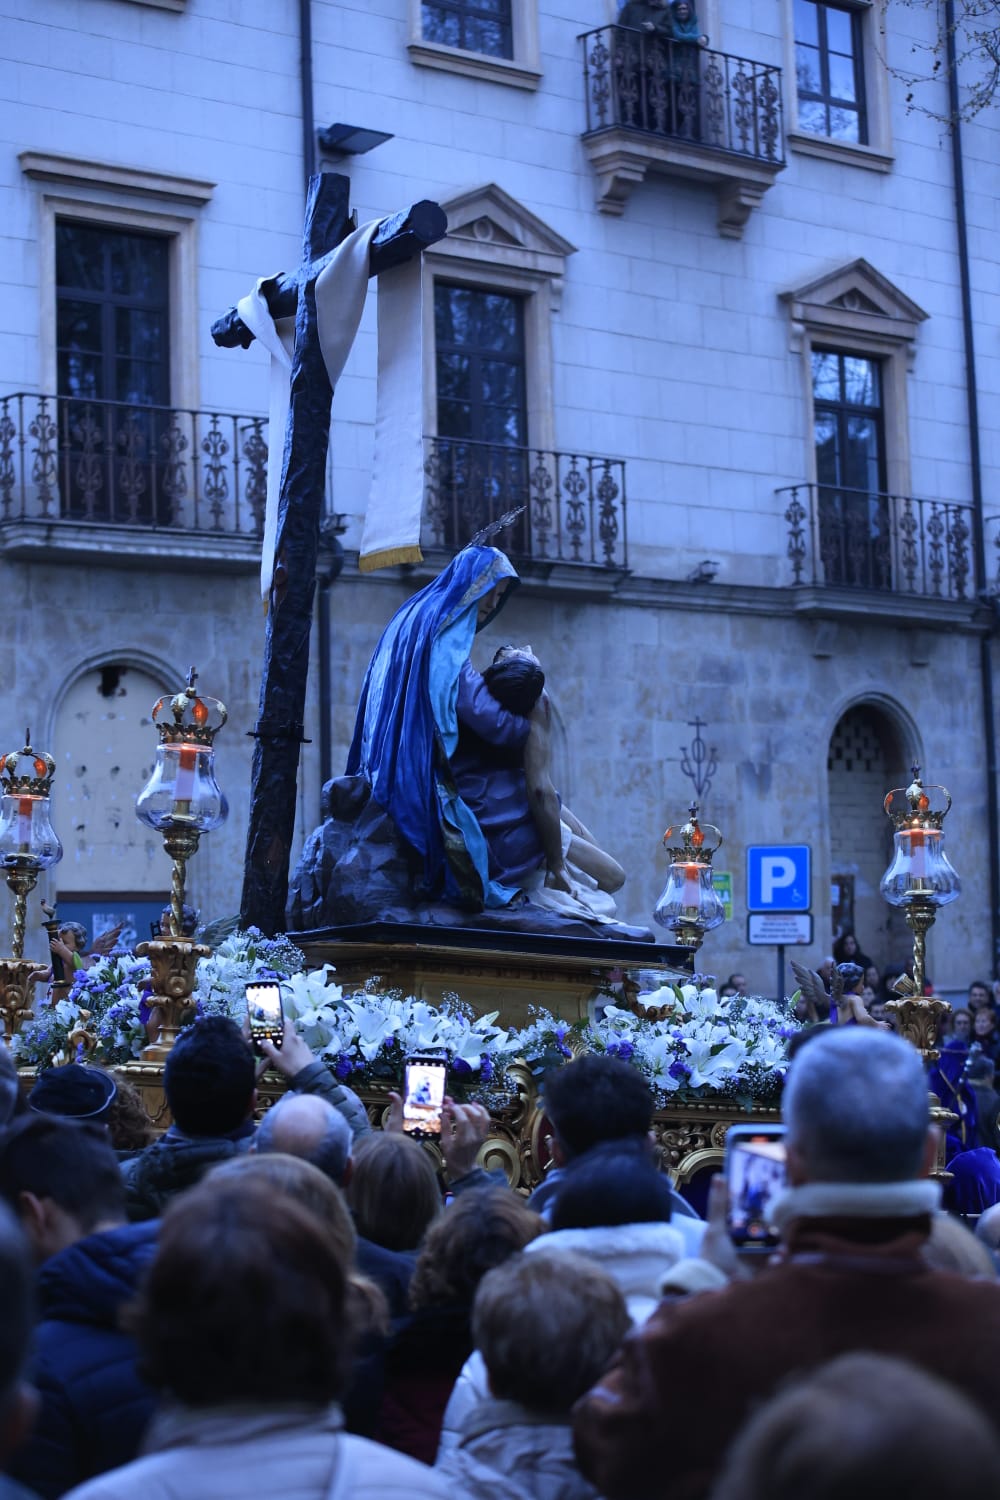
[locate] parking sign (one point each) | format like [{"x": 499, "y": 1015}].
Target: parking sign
[{"x": 778, "y": 877}]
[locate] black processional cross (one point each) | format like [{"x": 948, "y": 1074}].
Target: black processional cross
[{"x": 281, "y": 712}]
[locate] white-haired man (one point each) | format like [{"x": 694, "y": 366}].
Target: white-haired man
[{"x": 849, "y": 1276}]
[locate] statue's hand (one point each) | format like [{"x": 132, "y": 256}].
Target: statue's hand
[{"x": 558, "y": 879}]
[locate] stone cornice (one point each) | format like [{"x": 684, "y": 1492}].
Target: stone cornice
[
  {"x": 77, "y": 171},
  {"x": 968, "y": 616}
]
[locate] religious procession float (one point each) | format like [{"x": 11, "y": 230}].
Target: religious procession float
[{"x": 450, "y": 900}]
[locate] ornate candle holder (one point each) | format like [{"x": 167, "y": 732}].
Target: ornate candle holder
[
  {"x": 28, "y": 845},
  {"x": 181, "y": 800},
  {"x": 920, "y": 879},
  {"x": 690, "y": 905}
]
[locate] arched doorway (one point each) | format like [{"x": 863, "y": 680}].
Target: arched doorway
[
  {"x": 113, "y": 867},
  {"x": 868, "y": 755}
]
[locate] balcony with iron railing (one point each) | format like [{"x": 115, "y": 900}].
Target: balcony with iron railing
[
  {"x": 680, "y": 110},
  {"x": 105, "y": 476},
  {"x": 859, "y": 540},
  {"x": 574, "y": 504}
]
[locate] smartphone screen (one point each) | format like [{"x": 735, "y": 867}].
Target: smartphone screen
[
  {"x": 755, "y": 1175},
  {"x": 423, "y": 1096},
  {"x": 267, "y": 1018}
]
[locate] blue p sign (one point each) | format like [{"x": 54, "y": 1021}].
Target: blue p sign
[{"x": 778, "y": 877}]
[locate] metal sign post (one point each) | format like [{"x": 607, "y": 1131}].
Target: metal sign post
[{"x": 779, "y": 879}]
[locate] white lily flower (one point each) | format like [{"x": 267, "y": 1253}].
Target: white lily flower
[{"x": 708, "y": 1065}]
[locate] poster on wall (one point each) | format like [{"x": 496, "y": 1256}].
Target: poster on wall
[{"x": 99, "y": 911}]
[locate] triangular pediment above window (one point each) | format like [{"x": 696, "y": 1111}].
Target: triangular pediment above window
[
  {"x": 487, "y": 225},
  {"x": 489, "y": 215},
  {"x": 855, "y": 299}
]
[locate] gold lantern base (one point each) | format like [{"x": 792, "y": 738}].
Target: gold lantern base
[
  {"x": 17, "y": 992},
  {"x": 173, "y": 962}
]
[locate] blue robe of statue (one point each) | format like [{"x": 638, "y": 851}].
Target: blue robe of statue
[{"x": 407, "y": 731}]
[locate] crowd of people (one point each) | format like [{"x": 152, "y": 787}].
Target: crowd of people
[{"x": 308, "y": 1307}]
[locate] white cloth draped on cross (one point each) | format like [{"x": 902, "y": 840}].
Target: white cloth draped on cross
[{"x": 392, "y": 520}]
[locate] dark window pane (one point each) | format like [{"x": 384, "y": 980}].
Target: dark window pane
[
  {"x": 839, "y": 30},
  {"x": 844, "y": 124},
  {"x": 80, "y": 375},
  {"x": 475, "y": 25},
  {"x": 453, "y": 377},
  {"x": 826, "y": 448},
  {"x": 861, "y": 464},
  {"x": 826, "y": 375},
  {"x": 812, "y": 116},
  {"x": 442, "y": 26},
  {"x": 112, "y": 302},
  {"x": 499, "y": 325},
  {"x": 828, "y": 71},
  {"x": 455, "y": 419},
  {"x": 860, "y": 381},
  {"x": 138, "y": 267},
  {"x": 486, "y": 36},
  {"x": 139, "y": 334},
  {"x": 502, "y": 426},
  {"x": 480, "y": 366},
  {"x": 843, "y": 84},
  {"x": 807, "y": 72},
  {"x": 78, "y": 324},
  {"x": 80, "y": 257},
  {"x": 806, "y": 22},
  {"x": 501, "y": 383}
]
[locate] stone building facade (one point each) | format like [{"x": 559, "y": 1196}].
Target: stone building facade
[{"x": 702, "y": 308}]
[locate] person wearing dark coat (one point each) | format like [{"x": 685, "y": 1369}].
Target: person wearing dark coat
[
  {"x": 851, "y": 1276},
  {"x": 210, "y": 1083},
  {"x": 62, "y": 1178}
]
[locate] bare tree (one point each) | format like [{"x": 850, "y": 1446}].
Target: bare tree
[{"x": 974, "y": 33}]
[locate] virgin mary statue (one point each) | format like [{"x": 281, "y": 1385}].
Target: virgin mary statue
[{"x": 407, "y": 726}]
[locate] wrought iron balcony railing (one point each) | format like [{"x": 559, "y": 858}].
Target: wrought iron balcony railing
[
  {"x": 65, "y": 459},
  {"x": 677, "y": 90},
  {"x": 859, "y": 539},
  {"x": 575, "y": 504}
]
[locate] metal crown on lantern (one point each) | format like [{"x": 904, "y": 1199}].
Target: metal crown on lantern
[
  {"x": 690, "y": 905},
  {"x": 182, "y": 800}
]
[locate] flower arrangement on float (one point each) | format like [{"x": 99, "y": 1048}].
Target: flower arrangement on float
[
  {"x": 700, "y": 1047},
  {"x": 706, "y": 1047}
]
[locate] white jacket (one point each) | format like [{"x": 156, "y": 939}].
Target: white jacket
[
  {"x": 241, "y": 1452},
  {"x": 635, "y": 1256}
]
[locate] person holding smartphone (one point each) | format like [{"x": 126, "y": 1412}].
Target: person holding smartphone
[{"x": 850, "y": 1275}]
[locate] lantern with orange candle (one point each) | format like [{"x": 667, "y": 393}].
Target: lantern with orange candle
[
  {"x": 690, "y": 905},
  {"x": 920, "y": 877},
  {"x": 28, "y": 846},
  {"x": 181, "y": 800}
]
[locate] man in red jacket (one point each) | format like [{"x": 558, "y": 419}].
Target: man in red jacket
[{"x": 849, "y": 1276}]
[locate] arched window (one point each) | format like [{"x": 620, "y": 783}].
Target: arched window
[
  {"x": 113, "y": 867},
  {"x": 868, "y": 755}
]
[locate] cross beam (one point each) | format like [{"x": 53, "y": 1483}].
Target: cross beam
[
  {"x": 396, "y": 240},
  {"x": 278, "y": 732}
]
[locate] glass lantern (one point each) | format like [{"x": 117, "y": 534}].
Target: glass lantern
[
  {"x": 920, "y": 872},
  {"x": 690, "y": 905},
  {"x": 182, "y": 790},
  {"x": 27, "y": 839},
  {"x": 183, "y": 787}
]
